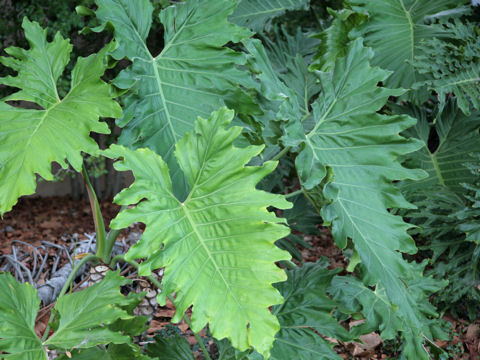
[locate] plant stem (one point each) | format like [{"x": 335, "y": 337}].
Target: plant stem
[
  {"x": 102, "y": 249},
  {"x": 289, "y": 265},
  {"x": 157, "y": 283},
  {"x": 66, "y": 286},
  {"x": 281, "y": 153},
  {"x": 198, "y": 337},
  {"x": 295, "y": 193}
]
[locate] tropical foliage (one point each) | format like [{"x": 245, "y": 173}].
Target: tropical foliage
[{"x": 243, "y": 127}]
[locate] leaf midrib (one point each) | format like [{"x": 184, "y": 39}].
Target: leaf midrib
[
  {"x": 412, "y": 34},
  {"x": 209, "y": 254},
  {"x": 153, "y": 61}
]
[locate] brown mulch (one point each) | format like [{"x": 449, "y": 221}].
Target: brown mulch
[{"x": 35, "y": 219}]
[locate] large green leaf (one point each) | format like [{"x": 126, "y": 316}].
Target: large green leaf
[
  {"x": 217, "y": 245},
  {"x": 18, "y": 310},
  {"x": 286, "y": 85},
  {"x": 355, "y": 297},
  {"x": 453, "y": 66},
  {"x": 395, "y": 30},
  {"x": 306, "y": 313},
  {"x": 353, "y": 151},
  {"x": 85, "y": 314},
  {"x": 193, "y": 75},
  {"x": 335, "y": 39},
  {"x": 84, "y": 322},
  {"x": 457, "y": 137},
  {"x": 59, "y": 130},
  {"x": 256, "y": 14},
  {"x": 171, "y": 348},
  {"x": 113, "y": 352}
]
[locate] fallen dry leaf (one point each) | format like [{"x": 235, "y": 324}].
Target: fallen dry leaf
[
  {"x": 472, "y": 332},
  {"x": 368, "y": 345}
]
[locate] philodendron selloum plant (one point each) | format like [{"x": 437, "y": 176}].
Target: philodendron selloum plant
[{"x": 205, "y": 123}]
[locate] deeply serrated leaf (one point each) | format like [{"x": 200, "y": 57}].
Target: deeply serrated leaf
[
  {"x": 32, "y": 139},
  {"x": 355, "y": 297},
  {"x": 306, "y": 313},
  {"x": 446, "y": 164},
  {"x": 335, "y": 39},
  {"x": 113, "y": 352},
  {"x": 18, "y": 310},
  {"x": 395, "y": 30},
  {"x": 171, "y": 348},
  {"x": 453, "y": 66},
  {"x": 286, "y": 85},
  {"x": 217, "y": 245},
  {"x": 193, "y": 75},
  {"x": 360, "y": 148},
  {"x": 84, "y": 315},
  {"x": 256, "y": 14}
]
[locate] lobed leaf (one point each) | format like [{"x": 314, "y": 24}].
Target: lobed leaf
[
  {"x": 453, "y": 66},
  {"x": 335, "y": 39},
  {"x": 59, "y": 130},
  {"x": 256, "y": 14},
  {"x": 19, "y": 305},
  {"x": 217, "y": 245},
  {"x": 306, "y": 313},
  {"x": 445, "y": 164},
  {"x": 352, "y": 153},
  {"x": 396, "y": 29},
  {"x": 171, "y": 348},
  {"x": 193, "y": 75},
  {"x": 84, "y": 315}
]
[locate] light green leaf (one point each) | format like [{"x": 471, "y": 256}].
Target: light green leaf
[
  {"x": 18, "y": 310},
  {"x": 217, "y": 245},
  {"x": 256, "y": 14},
  {"x": 31, "y": 139},
  {"x": 306, "y": 313},
  {"x": 193, "y": 75},
  {"x": 360, "y": 148},
  {"x": 84, "y": 315},
  {"x": 453, "y": 66},
  {"x": 395, "y": 30},
  {"x": 457, "y": 137}
]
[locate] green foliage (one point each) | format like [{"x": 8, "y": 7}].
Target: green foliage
[
  {"x": 222, "y": 232},
  {"x": 256, "y": 14},
  {"x": 29, "y": 136},
  {"x": 453, "y": 65},
  {"x": 171, "y": 348},
  {"x": 306, "y": 313},
  {"x": 84, "y": 319},
  {"x": 360, "y": 148},
  {"x": 18, "y": 310},
  {"x": 448, "y": 226},
  {"x": 396, "y": 30},
  {"x": 209, "y": 194},
  {"x": 193, "y": 75},
  {"x": 457, "y": 136},
  {"x": 286, "y": 86},
  {"x": 335, "y": 39}
]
